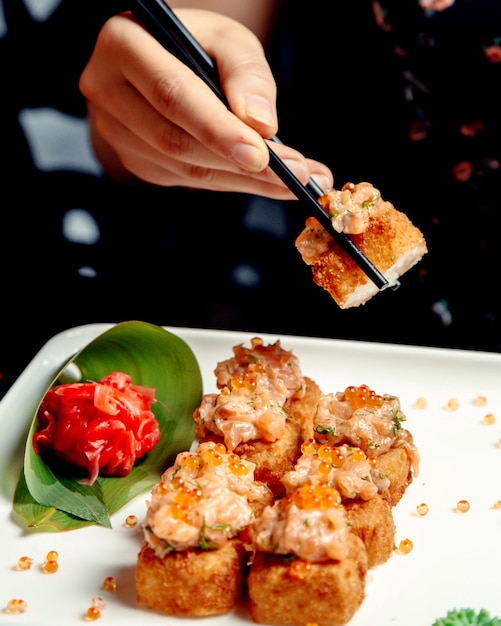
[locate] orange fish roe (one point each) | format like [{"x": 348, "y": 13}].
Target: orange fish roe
[
  {"x": 463, "y": 506},
  {"x": 209, "y": 457},
  {"x": 184, "y": 500},
  {"x": 94, "y": 612},
  {"x": 316, "y": 496},
  {"x": 131, "y": 521},
  {"x": 298, "y": 569},
  {"x": 247, "y": 381},
  {"x": 331, "y": 454},
  {"x": 24, "y": 563},
  {"x": 162, "y": 488},
  {"x": 422, "y": 509},
  {"x": 51, "y": 564},
  {"x": 110, "y": 583},
  {"x": 334, "y": 456},
  {"x": 362, "y": 397},
  {"x": 420, "y": 403},
  {"x": 191, "y": 461},
  {"x": 497, "y": 505},
  {"x": 324, "y": 468},
  {"x": 212, "y": 456},
  {"x": 16, "y": 606},
  {"x": 358, "y": 455},
  {"x": 452, "y": 404},
  {"x": 236, "y": 465},
  {"x": 50, "y": 567},
  {"x": 309, "y": 446},
  {"x": 489, "y": 419},
  {"x": 480, "y": 400},
  {"x": 405, "y": 546}
]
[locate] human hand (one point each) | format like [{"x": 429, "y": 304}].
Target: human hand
[{"x": 152, "y": 119}]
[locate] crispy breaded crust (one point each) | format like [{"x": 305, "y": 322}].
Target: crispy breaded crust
[
  {"x": 372, "y": 521},
  {"x": 273, "y": 459},
  {"x": 329, "y": 595},
  {"x": 391, "y": 242},
  {"x": 303, "y": 409},
  {"x": 192, "y": 582},
  {"x": 396, "y": 465}
]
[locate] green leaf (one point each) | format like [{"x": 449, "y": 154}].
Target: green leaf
[
  {"x": 152, "y": 357},
  {"x": 36, "y": 516}
]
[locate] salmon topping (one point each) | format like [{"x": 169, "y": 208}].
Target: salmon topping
[
  {"x": 350, "y": 208},
  {"x": 254, "y": 386},
  {"x": 202, "y": 501},
  {"x": 375, "y": 427},
  {"x": 346, "y": 468},
  {"x": 310, "y": 524}
]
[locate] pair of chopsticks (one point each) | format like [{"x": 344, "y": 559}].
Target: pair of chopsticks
[{"x": 164, "y": 25}]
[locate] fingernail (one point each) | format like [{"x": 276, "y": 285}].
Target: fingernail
[
  {"x": 249, "y": 157},
  {"x": 322, "y": 181},
  {"x": 259, "y": 109},
  {"x": 298, "y": 168}
]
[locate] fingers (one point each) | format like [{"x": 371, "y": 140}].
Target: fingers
[
  {"x": 153, "y": 117},
  {"x": 169, "y": 89},
  {"x": 156, "y": 167},
  {"x": 244, "y": 73}
]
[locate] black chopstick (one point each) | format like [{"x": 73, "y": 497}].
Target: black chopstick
[{"x": 164, "y": 25}]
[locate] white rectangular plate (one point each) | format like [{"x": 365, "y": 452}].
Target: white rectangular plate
[{"x": 456, "y": 556}]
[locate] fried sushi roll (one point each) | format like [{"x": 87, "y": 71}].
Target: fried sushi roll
[
  {"x": 192, "y": 561},
  {"x": 325, "y": 594},
  {"x": 308, "y": 567},
  {"x": 384, "y": 235},
  {"x": 193, "y": 582},
  {"x": 360, "y": 486}
]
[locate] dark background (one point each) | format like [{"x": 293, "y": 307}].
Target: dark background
[{"x": 184, "y": 258}]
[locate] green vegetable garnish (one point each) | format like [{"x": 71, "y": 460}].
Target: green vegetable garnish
[
  {"x": 153, "y": 357},
  {"x": 467, "y": 617}
]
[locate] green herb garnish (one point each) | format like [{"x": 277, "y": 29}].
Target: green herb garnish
[{"x": 467, "y": 617}]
